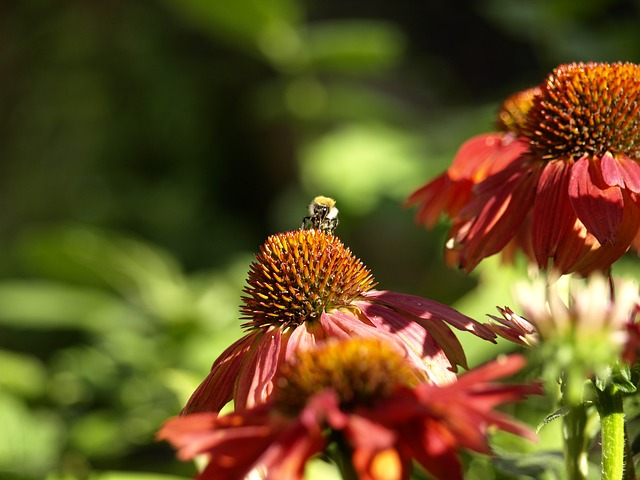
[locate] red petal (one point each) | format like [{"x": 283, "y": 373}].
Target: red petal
[
  {"x": 345, "y": 325},
  {"x": 190, "y": 434},
  {"x": 494, "y": 370},
  {"x": 364, "y": 433},
  {"x": 620, "y": 171},
  {"x": 288, "y": 453},
  {"x": 433, "y": 448},
  {"x": 422, "y": 351},
  {"x": 217, "y": 389},
  {"x": 234, "y": 443},
  {"x": 395, "y": 329},
  {"x": 303, "y": 337},
  {"x": 429, "y": 309},
  {"x": 599, "y": 208},
  {"x": 502, "y": 204},
  {"x": 433, "y": 358},
  {"x": 553, "y": 213},
  {"x": 589, "y": 255},
  {"x": 484, "y": 155},
  {"x": 477, "y": 158},
  {"x": 441, "y": 195},
  {"x": 255, "y": 380}
]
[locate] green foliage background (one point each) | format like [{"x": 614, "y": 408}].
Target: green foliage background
[{"x": 147, "y": 149}]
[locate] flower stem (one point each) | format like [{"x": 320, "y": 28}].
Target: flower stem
[
  {"x": 341, "y": 455},
  {"x": 613, "y": 436},
  {"x": 575, "y": 442}
]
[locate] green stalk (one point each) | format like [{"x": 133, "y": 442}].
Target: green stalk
[
  {"x": 575, "y": 442},
  {"x": 611, "y": 413},
  {"x": 342, "y": 456}
]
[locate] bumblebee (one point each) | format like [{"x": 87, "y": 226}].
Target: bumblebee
[{"x": 323, "y": 215}]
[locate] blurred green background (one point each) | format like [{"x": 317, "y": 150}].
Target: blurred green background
[{"x": 147, "y": 149}]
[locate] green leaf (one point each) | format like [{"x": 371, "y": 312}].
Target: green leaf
[
  {"x": 351, "y": 163},
  {"x": 49, "y": 305},
  {"x": 97, "y": 257},
  {"x": 21, "y": 374},
  {"x": 143, "y": 274},
  {"x": 32, "y": 438},
  {"x": 269, "y": 26},
  {"x": 98, "y": 434},
  {"x": 537, "y": 465},
  {"x": 622, "y": 379},
  {"x": 354, "y": 46}
]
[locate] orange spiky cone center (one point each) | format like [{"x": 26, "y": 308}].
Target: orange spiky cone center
[
  {"x": 512, "y": 116},
  {"x": 299, "y": 274},
  {"x": 587, "y": 109}
]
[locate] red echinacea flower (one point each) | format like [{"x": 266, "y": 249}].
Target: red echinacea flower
[
  {"x": 305, "y": 287},
  {"x": 360, "y": 397},
  {"x": 570, "y": 201},
  {"x": 477, "y": 159}
]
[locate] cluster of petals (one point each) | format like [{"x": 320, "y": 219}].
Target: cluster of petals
[
  {"x": 569, "y": 198},
  {"x": 580, "y": 328},
  {"x": 425, "y": 423},
  {"x": 594, "y": 311},
  {"x": 246, "y": 370},
  {"x": 478, "y": 158}
]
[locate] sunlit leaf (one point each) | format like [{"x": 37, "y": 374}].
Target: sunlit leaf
[
  {"x": 354, "y": 46},
  {"x": 31, "y": 439},
  {"x": 50, "y": 305},
  {"x": 21, "y": 374},
  {"x": 138, "y": 271},
  {"x": 352, "y": 163},
  {"x": 540, "y": 465},
  {"x": 268, "y": 26},
  {"x": 98, "y": 434}
]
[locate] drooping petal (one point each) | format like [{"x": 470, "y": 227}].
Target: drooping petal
[
  {"x": 435, "y": 360},
  {"x": 484, "y": 155},
  {"x": 217, "y": 388},
  {"x": 190, "y": 434},
  {"x": 521, "y": 241},
  {"x": 500, "y": 368},
  {"x": 595, "y": 257},
  {"x": 621, "y": 171},
  {"x": 422, "y": 351},
  {"x": 499, "y": 209},
  {"x": 426, "y": 309},
  {"x": 303, "y": 337},
  {"x": 476, "y": 159},
  {"x": 440, "y": 196},
  {"x": 573, "y": 248},
  {"x": 340, "y": 325},
  {"x": 305, "y": 436},
  {"x": 255, "y": 381},
  {"x": 599, "y": 207},
  {"x": 367, "y": 434},
  {"x": 433, "y": 447},
  {"x": 635, "y": 243},
  {"x": 233, "y": 443},
  {"x": 553, "y": 214}
]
